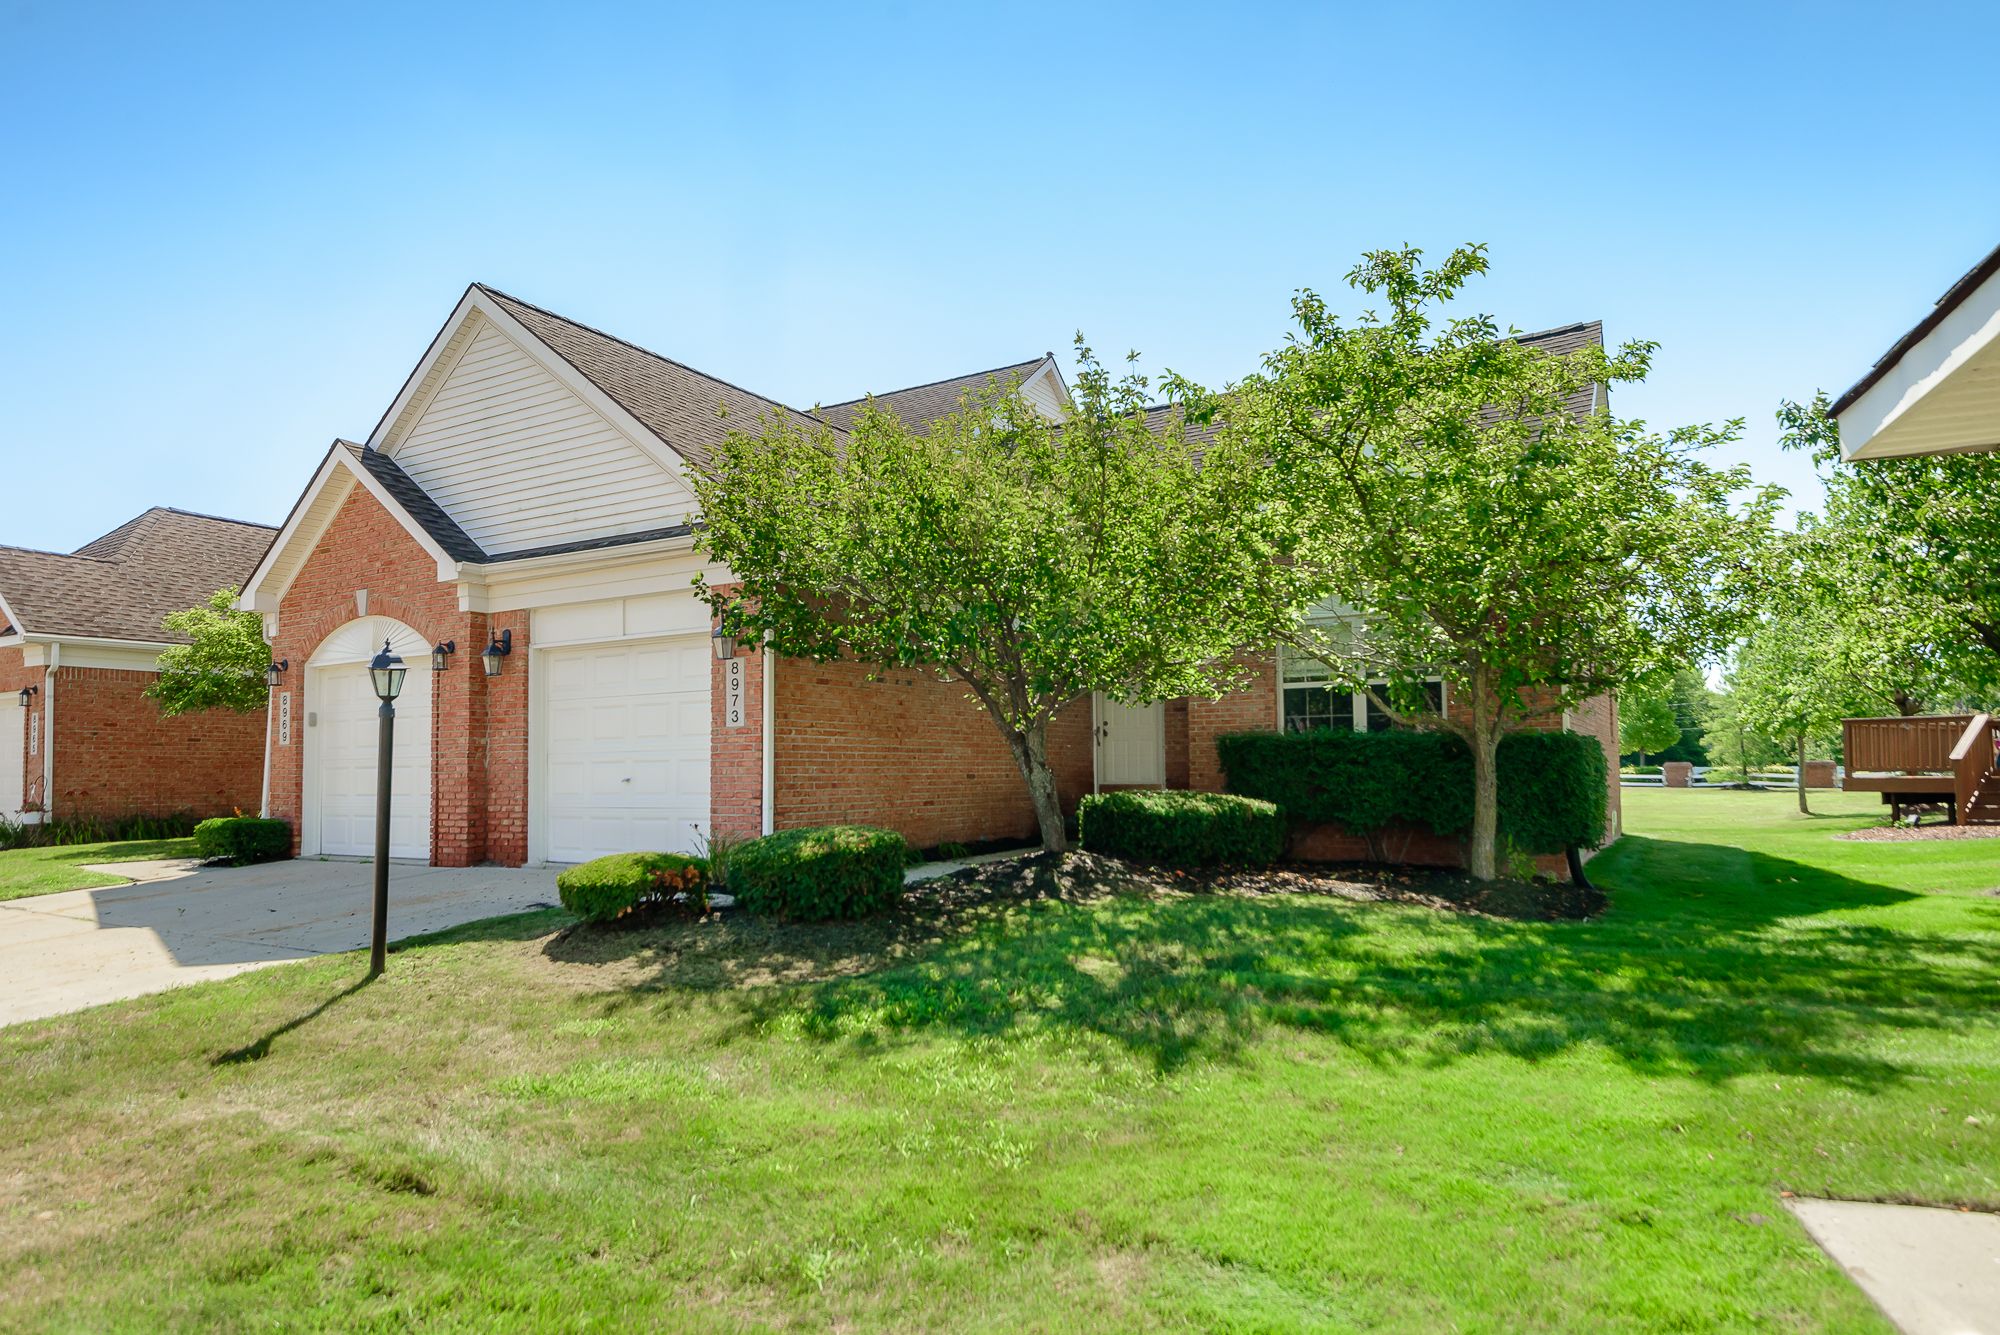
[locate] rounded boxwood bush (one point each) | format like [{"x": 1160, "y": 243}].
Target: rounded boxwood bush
[
  {"x": 822, "y": 872},
  {"x": 612, "y": 886},
  {"x": 1182, "y": 828},
  {"x": 243, "y": 839}
]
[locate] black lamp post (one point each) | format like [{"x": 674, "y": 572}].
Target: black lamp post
[{"x": 386, "y": 670}]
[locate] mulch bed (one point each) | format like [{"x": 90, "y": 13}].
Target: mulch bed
[
  {"x": 1082, "y": 876},
  {"x": 1896, "y": 834}
]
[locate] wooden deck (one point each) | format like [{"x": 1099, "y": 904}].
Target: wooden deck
[{"x": 1932, "y": 760}]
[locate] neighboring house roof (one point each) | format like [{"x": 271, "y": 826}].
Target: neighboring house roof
[
  {"x": 677, "y": 403},
  {"x": 1563, "y": 340},
  {"x": 1954, "y": 297},
  {"x": 929, "y": 402},
  {"x": 119, "y": 586}
]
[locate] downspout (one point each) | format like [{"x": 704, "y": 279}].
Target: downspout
[
  {"x": 769, "y": 794},
  {"x": 49, "y": 733}
]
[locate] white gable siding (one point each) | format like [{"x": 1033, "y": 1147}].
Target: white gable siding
[
  {"x": 1044, "y": 395},
  {"x": 520, "y": 461}
]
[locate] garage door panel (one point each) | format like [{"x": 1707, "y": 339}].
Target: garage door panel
[
  {"x": 625, "y": 758},
  {"x": 345, "y": 730}
]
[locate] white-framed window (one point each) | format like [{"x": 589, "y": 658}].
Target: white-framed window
[{"x": 1307, "y": 699}]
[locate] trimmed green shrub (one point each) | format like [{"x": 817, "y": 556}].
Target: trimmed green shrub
[
  {"x": 613, "y": 886},
  {"x": 238, "y": 840},
  {"x": 1552, "y": 784},
  {"x": 1182, "y": 829},
  {"x": 828, "y": 871}
]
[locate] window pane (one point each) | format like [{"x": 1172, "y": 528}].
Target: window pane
[
  {"x": 1381, "y": 722},
  {"x": 1309, "y": 707},
  {"x": 1295, "y": 666}
]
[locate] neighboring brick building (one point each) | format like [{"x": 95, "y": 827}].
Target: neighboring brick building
[
  {"x": 524, "y": 501},
  {"x": 79, "y": 634}
]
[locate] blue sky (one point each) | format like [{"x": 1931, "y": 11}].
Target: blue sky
[{"x": 226, "y": 234}]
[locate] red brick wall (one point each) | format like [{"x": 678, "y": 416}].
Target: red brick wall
[
  {"x": 116, "y": 755},
  {"x": 479, "y": 750},
  {"x": 1251, "y": 709},
  {"x": 910, "y": 753},
  {"x": 736, "y": 755}
]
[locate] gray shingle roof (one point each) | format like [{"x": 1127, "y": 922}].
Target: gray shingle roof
[
  {"x": 119, "y": 586},
  {"x": 676, "y": 403},
  {"x": 927, "y": 403},
  {"x": 416, "y": 503}
]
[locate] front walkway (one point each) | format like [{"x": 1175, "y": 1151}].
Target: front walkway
[{"x": 185, "y": 923}]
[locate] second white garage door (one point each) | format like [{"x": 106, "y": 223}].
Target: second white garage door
[{"x": 625, "y": 753}]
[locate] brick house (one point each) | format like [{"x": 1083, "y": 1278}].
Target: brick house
[
  {"x": 522, "y": 506},
  {"x": 79, "y": 637}
]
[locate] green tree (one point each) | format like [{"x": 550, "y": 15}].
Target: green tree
[
  {"x": 224, "y": 666},
  {"x": 1646, "y": 719},
  {"x": 1788, "y": 685},
  {"x": 1032, "y": 563},
  {"x": 1484, "y": 516},
  {"x": 1928, "y": 528}
]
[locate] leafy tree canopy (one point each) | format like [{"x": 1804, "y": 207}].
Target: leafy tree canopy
[
  {"x": 1923, "y": 538},
  {"x": 1485, "y": 518},
  {"x": 222, "y": 669},
  {"x": 1030, "y": 562},
  {"x": 1647, "y": 722}
]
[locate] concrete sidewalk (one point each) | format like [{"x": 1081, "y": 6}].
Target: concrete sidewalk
[
  {"x": 1932, "y": 1272},
  {"x": 183, "y": 923}
]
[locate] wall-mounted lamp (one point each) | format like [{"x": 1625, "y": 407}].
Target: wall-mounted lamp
[
  {"x": 725, "y": 643},
  {"x": 28, "y": 694},
  {"x": 441, "y": 654},
  {"x": 273, "y": 673},
  {"x": 503, "y": 644}
]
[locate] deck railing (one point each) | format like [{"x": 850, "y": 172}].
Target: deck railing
[
  {"x": 1971, "y": 757},
  {"x": 1917, "y": 745}
]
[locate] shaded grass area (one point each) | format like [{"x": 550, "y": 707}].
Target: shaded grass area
[
  {"x": 45, "y": 871},
  {"x": 1113, "y": 1103}
]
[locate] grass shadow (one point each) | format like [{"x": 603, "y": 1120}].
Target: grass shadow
[
  {"x": 260, "y": 1048},
  {"x": 1713, "y": 962}
]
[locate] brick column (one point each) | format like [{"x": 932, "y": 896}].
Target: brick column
[{"x": 1677, "y": 773}]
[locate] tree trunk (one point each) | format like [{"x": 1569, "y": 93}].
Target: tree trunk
[
  {"x": 1804, "y": 810},
  {"x": 1482, "y": 856},
  {"x": 1031, "y": 754}
]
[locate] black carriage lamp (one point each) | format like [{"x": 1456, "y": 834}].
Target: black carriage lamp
[
  {"x": 725, "y": 643},
  {"x": 28, "y": 694},
  {"x": 490, "y": 658},
  {"x": 441, "y": 654},
  {"x": 387, "y": 671},
  {"x": 276, "y": 671}
]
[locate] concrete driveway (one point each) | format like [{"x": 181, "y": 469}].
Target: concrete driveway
[{"x": 184, "y": 923}]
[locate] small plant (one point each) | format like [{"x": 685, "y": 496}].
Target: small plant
[
  {"x": 90, "y": 829},
  {"x": 239, "y": 840},
  {"x": 716, "y": 848},
  {"x": 1182, "y": 828},
  {"x": 829, "y": 871},
  {"x": 611, "y": 887},
  {"x": 952, "y": 852}
]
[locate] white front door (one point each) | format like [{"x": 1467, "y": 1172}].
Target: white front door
[
  {"x": 13, "y": 758},
  {"x": 342, "y": 731},
  {"x": 625, "y": 747},
  {"x": 1131, "y": 744}
]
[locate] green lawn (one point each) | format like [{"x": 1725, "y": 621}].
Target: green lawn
[
  {"x": 1189, "y": 1111},
  {"x": 44, "y": 871}
]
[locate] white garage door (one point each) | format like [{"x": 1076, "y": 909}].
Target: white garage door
[
  {"x": 344, "y": 729},
  {"x": 625, "y": 754},
  {"x": 13, "y": 757}
]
